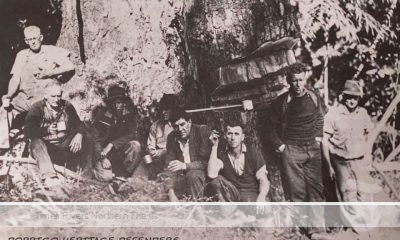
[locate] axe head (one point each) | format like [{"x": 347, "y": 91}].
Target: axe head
[{"x": 247, "y": 105}]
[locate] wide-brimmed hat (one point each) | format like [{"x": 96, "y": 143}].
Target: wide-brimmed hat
[
  {"x": 168, "y": 101},
  {"x": 116, "y": 92},
  {"x": 353, "y": 88}
]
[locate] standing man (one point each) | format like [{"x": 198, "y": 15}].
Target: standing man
[
  {"x": 346, "y": 131},
  {"x": 57, "y": 135},
  {"x": 296, "y": 133},
  {"x": 34, "y": 69},
  {"x": 116, "y": 150},
  {"x": 188, "y": 150},
  {"x": 238, "y": 170},
  {"x": 159, "y": 131}
]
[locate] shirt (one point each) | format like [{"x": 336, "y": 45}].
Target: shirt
[
  {"x": 184, "y": 146},
  {"x": 157, "y": 140},
  {"x": 251, "y": 169},
  {"x": 238, "y": 163},
  {"x": 348, "y": 131},
  {"x": 27, "y": 63}
]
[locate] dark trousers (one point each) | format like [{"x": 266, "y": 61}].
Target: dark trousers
[
  {"x": 225, "y": 191},
  {"x": 190, "y": 183},
  {"x": 302, "y": 172},
  {"x": 47, "y": 154},
  {"x": 124, "y": 161}
]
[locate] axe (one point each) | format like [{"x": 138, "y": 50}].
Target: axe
[{"x": 247, "y": 105}]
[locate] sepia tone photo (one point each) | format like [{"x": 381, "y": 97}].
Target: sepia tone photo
[{"x": 208, "y": 103}]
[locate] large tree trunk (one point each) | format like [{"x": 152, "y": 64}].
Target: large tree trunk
[
  {"x": 218, "y": 31},
  {"x": 161, "y": 47},
  {"x": 120, "y": 40}
]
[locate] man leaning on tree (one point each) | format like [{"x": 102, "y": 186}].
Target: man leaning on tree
[
  {"x": 296, "y": 130},
  {"x": 34, "y": 68}
]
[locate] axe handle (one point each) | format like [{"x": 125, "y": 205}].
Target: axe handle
[{"x": 213, "y": 108}]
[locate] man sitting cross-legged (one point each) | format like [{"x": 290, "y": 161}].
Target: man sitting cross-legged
[{"x": 238, "y": 171}]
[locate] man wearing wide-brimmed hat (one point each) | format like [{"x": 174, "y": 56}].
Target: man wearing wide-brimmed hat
[
  {"x": 159, "y": 131},
  {"x": 346, "y": 130},
  {"x": 114, "y": 130}
]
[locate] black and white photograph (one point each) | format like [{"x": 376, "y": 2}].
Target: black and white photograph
[{"x": 199, "y": 119}]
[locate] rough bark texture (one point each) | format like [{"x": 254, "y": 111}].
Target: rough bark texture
[
  {"x": 158, "y": 47},
  {"x": 217, "y": 32},
  {"x": 120, "y": 40}
]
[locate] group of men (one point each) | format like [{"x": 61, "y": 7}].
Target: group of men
[{"x": 190, "y": 153}]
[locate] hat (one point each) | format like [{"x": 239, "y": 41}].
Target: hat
[
  {"x": 116, "y": 92},
  {"x": 168, "y": 101},
  {"x": 352, "y": 87}
]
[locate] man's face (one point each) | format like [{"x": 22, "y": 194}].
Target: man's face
[
  {"x": 53, "y": 97},
  {"x": 182, "y": 127},
  {"x": 298, "y": 83},
  {"x": 165, "y": 114},
  {"x": 118, "y": 104},
  {"x": 34, "y": 40},
  {"x": 351, "y": 101},
  {"x": 234, "y": 136}
]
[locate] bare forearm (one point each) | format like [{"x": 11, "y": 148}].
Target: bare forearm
[
  {"x": 213, "y": 168},
  {"x": 325, "y": 150},
  {"x": 13, "y": 85},
  {"x": 67, "y": 68},
  {"x": 264, "y": 188}
]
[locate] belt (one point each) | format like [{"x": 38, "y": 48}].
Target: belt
[
  {"x": 346, "y": 159},
  {"x": 300, "y": 143}
]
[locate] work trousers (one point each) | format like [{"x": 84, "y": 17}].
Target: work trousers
[
  {"x": 47, "y": 154},
  {"x": 124, "y": 161},
  {"x": 190, "y": 183},
  {"x": 226, "y": 191},
  {"x": 21, "y": 104},
  {"x": 302, "y": 172}
]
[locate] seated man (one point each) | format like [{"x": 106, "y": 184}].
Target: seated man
[
  {"x": 188, "y": 149},
  {"x": 159, "y": 131},
  {"x": 34, "y": 68},
  {"x": 114, "y": 132},
  {"x": 57, "y": 134},
  {"x": 237, "y": 171}
]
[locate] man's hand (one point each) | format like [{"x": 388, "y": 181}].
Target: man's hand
[
  {"x": 106, "y": 150},
  {"x": 76, "y": 143},
  {"x": 261, "y": 209},
  {"x": 318, "y": 139},
  {"x": 6, "y": 101},
  {"x": 52, "y": 129},
  {"x": 281, "y": 148},
  {"x": 105, "y": 163},
  {"x": 176, "y": 165},
  {"x": 331, "y": 172},
  {"x": 214, "y": 138}
]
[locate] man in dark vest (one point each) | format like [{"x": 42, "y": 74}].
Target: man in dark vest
[
  {"x": 296, "y": 130},
  {"x": 237, "y": 170}
]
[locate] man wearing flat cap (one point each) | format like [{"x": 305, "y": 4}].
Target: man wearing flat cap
[
  {"x": 116, "y": 151},
  {"x": 346, "y": 131}
]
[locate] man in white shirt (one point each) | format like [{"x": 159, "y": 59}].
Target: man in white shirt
[{"x": 34, "y": 69}]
